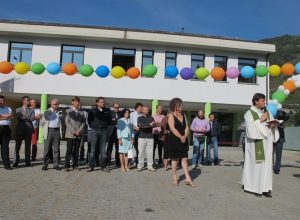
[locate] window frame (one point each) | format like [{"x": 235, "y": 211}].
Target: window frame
[
  {"x": 120, "y": 48},
  {"x": 172, "y": 58},
  {"x": 254, "y": 77},
  {"x": 19, "y": 42},
  {"x": 72, "y": 60},
  {"x": 152, "y": 57},
  {"x": 204, "y": 57},
  {"x": 226, "y": 58}
]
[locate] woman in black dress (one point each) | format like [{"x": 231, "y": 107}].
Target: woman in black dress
[{"x": 177, "y": 140}]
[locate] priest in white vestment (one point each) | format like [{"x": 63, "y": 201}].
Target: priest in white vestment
[{"x": 260, "y": 130}]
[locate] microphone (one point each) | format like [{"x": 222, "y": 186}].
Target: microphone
[{"x": 265, "y": 109}]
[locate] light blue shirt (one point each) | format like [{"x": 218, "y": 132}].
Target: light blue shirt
[{"x": 5, "y": 110}]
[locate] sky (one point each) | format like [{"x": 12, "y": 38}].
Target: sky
[{"x": 243, "y": 19}]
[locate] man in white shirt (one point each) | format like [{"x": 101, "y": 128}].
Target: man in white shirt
[
  {"x": 35, "y": 123},
  {"x": 5, "y": 122}
]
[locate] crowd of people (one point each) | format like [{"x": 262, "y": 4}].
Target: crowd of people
[{"x": 136, "y": 135}]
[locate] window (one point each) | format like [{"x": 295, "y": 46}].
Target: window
[
  {"x": 147, "y": 57},
  {"x": 197, "y": 61},
  {"x": 72, "y": 54},
  {"x": 221, "y": 61},
  {"x": 124, "y": 58},
  {"x": 247, "y": 62},
  {"x": 171, "y": 59},
  {"x": 20, "y": 52}
]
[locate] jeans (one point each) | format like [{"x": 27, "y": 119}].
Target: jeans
[
  {"x": 98, "y": 142},
  {"x": 278, "y": 154},
  {"x": 198, "y": 151},
  {"x": 214, "y": 142}
]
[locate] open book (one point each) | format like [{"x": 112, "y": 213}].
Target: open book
[{"x": 275, "y": 121}]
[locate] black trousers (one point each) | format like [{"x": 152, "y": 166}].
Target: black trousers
[
  {"x": 159, "y": 145},
  {"x": 72, "y": 149},
  {"x": 4, "y": 143},
  {"x": 113, "y": 140},
  {"x": 27, "y": 138}
]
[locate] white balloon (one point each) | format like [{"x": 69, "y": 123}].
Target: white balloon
[
  {"x": 294, "y": 78},
  {"x": 286, "y": 92},
  {"x": 279, "y": 106},
  {"x": 297, "y": 83},
  {"x": 281, "y": 88}
]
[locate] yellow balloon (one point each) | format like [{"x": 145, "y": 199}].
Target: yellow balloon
[
  {"x": 117, "y": 72},
  {"x": 21, "y": 68},
  {"x": 274, "y": 70}
]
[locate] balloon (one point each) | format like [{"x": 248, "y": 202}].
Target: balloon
[
  {"x": 289, "y": 85},
  {"x": 133, "y": 73},
  {"x": 102, "y": 71},
  {"x": 6, "y": 67},
  {"x": 247, "y": 72},
  {"x": 69, "y": 69},
  {"x": 22, "y": 68},
  {"x": 38, "y": 68},
  {"x": 297, "y": 68},
  {"x": 274, "y": 70},
  {"x": 202, "y": 73},
  {"x": 86, "y": 70},
  {"x": 171, "y": 71},
  {"x": 287, "y": 69},
  {"x": 232, "y": 72},
  {"x": 261, "y": 71},
  {"x": 279, "y": 96},
  {"x": 149, "y": 70},
  {"x": 53, "y": 68},
  {"x": 272, "y": 109},
  {"x": 186, "y": 73},
  {"x": 118, "y": 72},
  {"x": 217, "y": 73}
]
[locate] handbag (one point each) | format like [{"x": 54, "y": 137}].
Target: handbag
[{"x": 131, "y": 152}]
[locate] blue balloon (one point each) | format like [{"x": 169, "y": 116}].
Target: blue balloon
[
  {"x": 272, "y": 108},
  {"x": 297, "y": 68},
  {"x": 247, "y": 72},
  {"x": 102, "y": 71},
  {"x": 171, "y": 71},
  {"x": 53, "y": 68}
]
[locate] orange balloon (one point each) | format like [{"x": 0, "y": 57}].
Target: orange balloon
[
  {"x": 69, "y": 69},
  {"x": 6, "y": 67},
  {"x": 289, "y": 85},
  {"x": 133, "y": 73},
  {"x": 217, "y": 73},
  {"x": 287, "y": 69}
]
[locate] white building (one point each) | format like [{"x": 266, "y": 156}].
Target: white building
[{"x": 33, "y": 42}]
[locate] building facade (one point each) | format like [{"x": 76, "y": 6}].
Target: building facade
[{"x": 45, "y": 43}]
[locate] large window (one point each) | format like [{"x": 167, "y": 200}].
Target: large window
[
  {"x": 147, "y": 57},
  {"x": 247, "y": 62},
  {"x": 197, "y": 61},
  {"x": 20, "y": 52},
  {"x": 221, "y": 61},
  {"x": 124, "y": 58},
  {"x": 170, "y": 59},
  {"x": 72, "y": 54}
]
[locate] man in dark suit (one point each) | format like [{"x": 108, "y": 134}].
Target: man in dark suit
[
  {"x": 24, "y": 130},
  {"x": 212, "y": 135},
  {"x": 112, "y": 138}
]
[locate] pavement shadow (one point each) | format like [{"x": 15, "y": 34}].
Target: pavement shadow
[
  {"x": 296, "y": 175},
  {"x": 288, "y": 165},
  {"x": 194, "y": 173}
]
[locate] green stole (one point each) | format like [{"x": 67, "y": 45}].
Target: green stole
[{"x": 259, "y": 144}]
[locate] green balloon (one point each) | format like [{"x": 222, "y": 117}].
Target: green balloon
[
  {"x": 279, "y": 96},
  {"x": 149, "y": 70},
  {"x": 37, "y": 68},
  {"x": 202, "y": 73},
  {"x": 86, "y": 70},
  {"x": 261, "y": 71}
]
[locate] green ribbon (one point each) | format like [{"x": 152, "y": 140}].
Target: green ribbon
[{"x": 259, "y": 144}]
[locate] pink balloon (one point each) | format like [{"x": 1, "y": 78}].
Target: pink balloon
[{"x": 232, "y": 72}]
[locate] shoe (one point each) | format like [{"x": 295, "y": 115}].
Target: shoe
[
  {"x": 15, "y": 165},
  {"x": 27, "y": 164},
  {"x": 139, "y": 169},
  {"x": 127, "y": 169},
  {"x": 267, "y": 194},
  {"x": 91, "y": 169},
  {"x": 208, "y": 163},
  {"x": 189, "y": 183},
  {"x": 200, "y": 165},
  {"x": 67, "y": 169},
  {"x": 33, "y": 159},
  {"x": 258, "y": 195},
  {"x": 76, "y": 168},
  {"x": 151, "y": 169},
  {"x": 276, "y": 172},
  {"x": 7, "y": 167},
  {"x": 45, "y": 168},
  {"x": 123, "y": 170},
  {"x": 82, "y": 162},
  {"x": 194, "y": 166},
  {"x": 57, "y": 168},
  {"x": 104, "y": 169}
]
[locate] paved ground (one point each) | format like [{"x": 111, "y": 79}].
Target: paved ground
[{"x": 30, "y": 193}]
